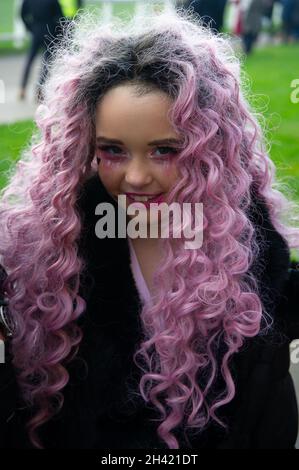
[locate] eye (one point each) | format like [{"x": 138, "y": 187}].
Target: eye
[
  {"x": 105, "y": 149},
  {"x": 116, "y": 152},
  {"x": 110, "y": 152},
  {"x": 167, "y": 151}
]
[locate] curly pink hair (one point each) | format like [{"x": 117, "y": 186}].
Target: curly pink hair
[{"x": 203, "y": 295}]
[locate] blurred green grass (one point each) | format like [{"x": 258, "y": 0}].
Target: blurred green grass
[
  {"x": 271, "y": 71},
  {"x": 6, "y": 26},
  {"x": 13, "y": 139},
  {"x": 6, "y": 17}
]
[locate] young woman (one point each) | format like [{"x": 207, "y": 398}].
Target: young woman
[{"x": 124, "y": 342}]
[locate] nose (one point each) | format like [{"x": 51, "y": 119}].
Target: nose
[{"x": 138, "y": 174}]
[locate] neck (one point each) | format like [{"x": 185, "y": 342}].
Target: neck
[{"x": 147, "y": 242}]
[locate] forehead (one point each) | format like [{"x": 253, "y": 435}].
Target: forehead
[{"x": 120, "y": 109}]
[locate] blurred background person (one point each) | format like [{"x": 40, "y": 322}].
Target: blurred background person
[
  {"x": 268, "y": 11},
  {"x": 290, "y": 20},
  {"x": 212, "y": 11},
  {"x": 252, "y": 12},
  {"x": 41, "y": 18},
  {"x": 287, "y": 18},
  {"x": 295, "y": 28},
  {"x": 269, "y": 14}
]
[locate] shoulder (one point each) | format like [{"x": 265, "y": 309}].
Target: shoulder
[
  {"x": 271, "y": 266},
  {"x": 288, "y": 305},
  {"x": 278, "y": 276},
  {"x": 92, "y": 191}
]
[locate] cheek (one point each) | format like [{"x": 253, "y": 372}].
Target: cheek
[
  {"x": 169, "y": 174},
  {"x": 109, "y": 175},
  {"x": 108, "y": 165}
]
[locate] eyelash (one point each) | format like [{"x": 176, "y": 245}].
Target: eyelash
[{"x": 104, "y": 149}]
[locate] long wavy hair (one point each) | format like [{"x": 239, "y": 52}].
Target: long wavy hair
[{"x": 205, "y": 295}]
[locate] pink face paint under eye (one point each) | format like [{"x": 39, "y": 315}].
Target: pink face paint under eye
[
  {"x": 165, "y": 160},
  {"x": 107, "y": 163},
  {"x": 107, "y": 159}
]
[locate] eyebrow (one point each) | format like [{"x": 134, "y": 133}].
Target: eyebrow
[{"x": 154, "y": 142}]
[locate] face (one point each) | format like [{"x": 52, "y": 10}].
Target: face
[{"x": 133, "y": 148}]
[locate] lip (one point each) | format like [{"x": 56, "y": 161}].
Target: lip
[
  {"x": 142, "y": 194},
  {"x": 158, "y": 199}
]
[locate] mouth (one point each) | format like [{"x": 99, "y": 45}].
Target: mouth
[
  {"x": 145, "y": 201},
  {"x": 153, "y": 198}
]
